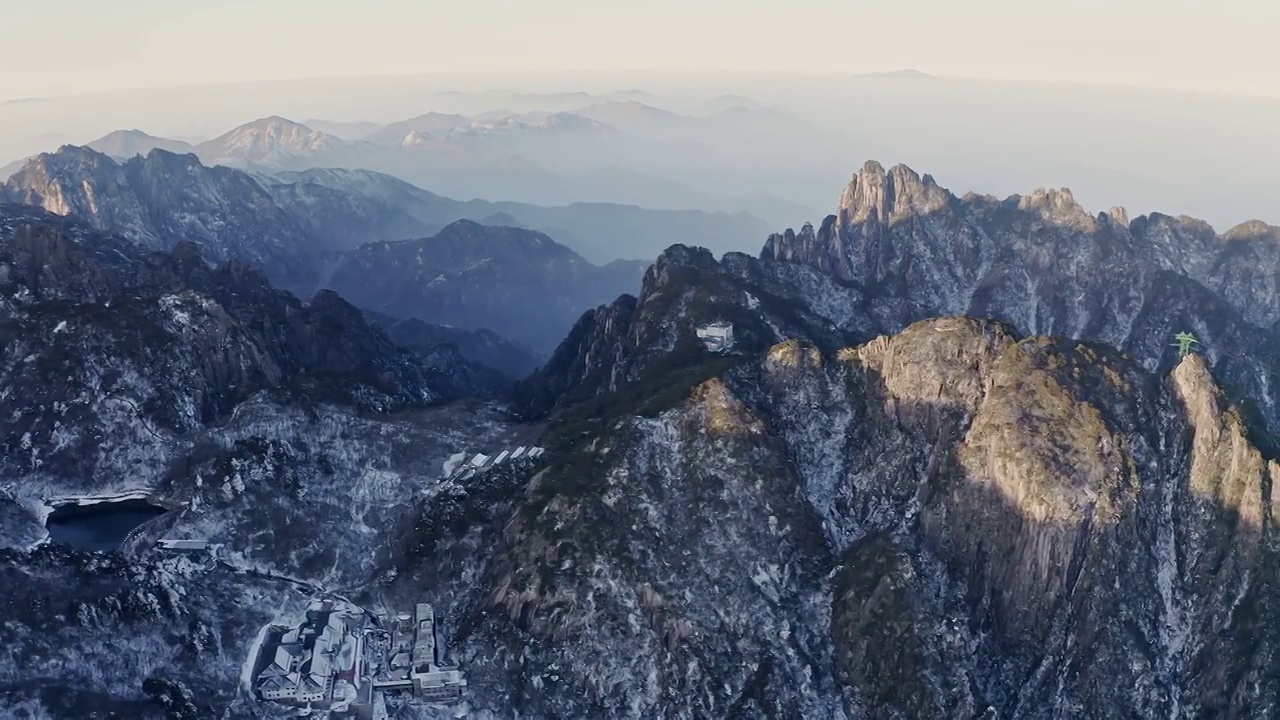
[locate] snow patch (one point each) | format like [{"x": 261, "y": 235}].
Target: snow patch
[
  {"x": 246, "y": 670},
  {"x": 452, "y": 463}
]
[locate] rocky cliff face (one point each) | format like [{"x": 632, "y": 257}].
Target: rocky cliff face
[
  {"x": 291, "y": 227},
  {"x": 948, "y": 522},
  {"x": 653, "y": 336},
  {"x": 108, "y": 347},
  {"x": 985, "y": 521},
  {"x": 518, "y": 283},
  {"x": 1044, "y": 265}
]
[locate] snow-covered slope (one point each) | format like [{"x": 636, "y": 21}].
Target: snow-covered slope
[
  {"x": 293, "y": 437},
  {"x": 115, "y": 355},
  {"x": 267, "y": 142}
]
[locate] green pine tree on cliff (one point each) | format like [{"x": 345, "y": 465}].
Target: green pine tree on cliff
[{"x": 1185, "y": 342}]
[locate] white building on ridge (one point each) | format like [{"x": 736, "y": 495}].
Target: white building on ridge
[{"x": 716, "y": 337}]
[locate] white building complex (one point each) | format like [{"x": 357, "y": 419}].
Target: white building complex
[
  {"x": 716, "y": 337},
  {"x": 340, "y": 660},
  {"x": 413, "y": 661}
]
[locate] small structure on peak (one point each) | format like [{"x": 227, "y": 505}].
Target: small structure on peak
[
  {"x": 1185, "y": 342},
  {"x": 716, "y": 337}
]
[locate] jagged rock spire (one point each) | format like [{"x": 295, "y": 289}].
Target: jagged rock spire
[{"x": 875, "y": 193}]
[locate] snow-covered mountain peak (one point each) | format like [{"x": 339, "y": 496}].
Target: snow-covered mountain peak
[
  {"x": 265, "y": 140},
  {"x": 567, "y": 121},
  {"x": 414, "y": 138}
]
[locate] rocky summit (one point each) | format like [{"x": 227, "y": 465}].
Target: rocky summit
[
  {"x": 943, "y": 516},
  {"x": 162, "y": 199},
  {"x": 1046, "y": 266},
  {"x": 950, "y": 465},
  {"x": 947, "y": 522}
]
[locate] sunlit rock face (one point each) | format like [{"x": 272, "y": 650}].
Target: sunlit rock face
[
  {"x": 1044, "y": 514},
  {"x": 945, "y": 522},
  {"x": 163, "y": 199},
  {"x": 1043, "y": 264}
]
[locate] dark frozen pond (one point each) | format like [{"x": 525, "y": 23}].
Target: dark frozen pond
[{"x": 101, "y": 526}]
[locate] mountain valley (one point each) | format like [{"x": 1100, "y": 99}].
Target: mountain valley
[
  {"x": 583, "y": 361},
  {"x": 321, "y": 228},
  {"x": 951, "y": 465},
  {"x": 519, "y": 283}
]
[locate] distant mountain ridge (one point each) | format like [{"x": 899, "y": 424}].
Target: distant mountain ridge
[
  {"x": 903, "y": 74},
  {"x": 196, "y": 339},
  {"x": 316, "y": 228},
  {"x": 163, "y": 199},
  {"x": 546, "y": 157},
  {"x": 601, "y": 232},
  {"x": 282, "y": 220},
  {"x": 267, "y": 142},
  {"x": 124, "y": 144},
  {"x": 519, "y": 283},
  {"x": 901, "y": 249}
]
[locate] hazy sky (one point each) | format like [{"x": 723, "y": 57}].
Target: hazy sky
[{"x": 74, "y": 46}]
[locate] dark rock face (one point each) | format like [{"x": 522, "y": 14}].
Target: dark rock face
[
  {"x": 101, "y": 337},
  {"x": 155, "y": 640},
  {"x": 1046, "y": 266},
  {"x": 518, "y": 283},
  {"x": 478, "y": 346},
  {"x": 880, "y": 635},
  {"x": 654, "y": 335}
]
